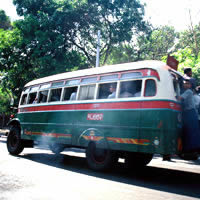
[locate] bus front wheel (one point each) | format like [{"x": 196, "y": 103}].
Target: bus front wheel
[
  {"x": 137, "y": 159},
  {"x": 100, "y": 159},
  {"x": 14, "y": 143}
]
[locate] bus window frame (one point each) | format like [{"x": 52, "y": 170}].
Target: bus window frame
[
  {"x": 79, "y": 89},
  {"x": 29, "y": 95},
  {"x": 23, "y": 93},
  {"x": 47, "y": 96},
  {"x": 145, "y": 82},
  {"x": 133, "y": 78},
  {"x": 107, "y": 82},
  {"x": 50, "y": 92},
  {"x": 126, "y": 80},
  {"x": 63, "y": 94},
  {"x": 175, "y": 77}
]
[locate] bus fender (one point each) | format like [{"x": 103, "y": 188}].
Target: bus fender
[
  {"x": 92, "y": 135},
  {"x": 14, "y": 122}
]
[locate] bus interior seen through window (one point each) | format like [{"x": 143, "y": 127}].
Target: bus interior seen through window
[
  {"x": 127, "y": 89},
  {"x": 55, "y": 94},
  {"x": 32, "y": 97},
  {"x": 150, "y": 88},
  {"x": 104, "y": 90},
  {"x": 70, "y": 93},
  {"x": 130, "y": 88},
  {"x": 43, "y": 96},
  {"x": 87, "y": 92}
]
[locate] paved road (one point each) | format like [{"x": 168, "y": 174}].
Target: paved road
[{"x": 37, "y": 174}]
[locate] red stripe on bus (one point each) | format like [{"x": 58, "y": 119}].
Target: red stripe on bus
[
  {"x": 107, "y": 105},
  {"x": 129, "y": 141},
  {"x": 48, "y": 134}
]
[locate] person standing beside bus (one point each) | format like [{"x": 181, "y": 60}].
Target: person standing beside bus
[
  {"x": 188, "y": 75},
  {"x": 191, "y": 130},
  {"x": 197, "y": 104}
]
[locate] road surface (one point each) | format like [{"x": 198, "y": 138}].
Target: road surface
[{"x": 38, "y": 174}]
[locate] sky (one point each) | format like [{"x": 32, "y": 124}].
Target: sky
[
  {"x": 159, "y": 12},
  {"x": 173, "y": 12}
]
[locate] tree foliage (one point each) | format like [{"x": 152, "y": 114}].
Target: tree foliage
[
  {"x": 190, "y": 38},
  {"x": 4, "y": 21},
  {"x": 60, "y": 35},
  {"x": 153, "y": 46},
  {"x": 5, "y": 99},
  {"x": 74, "y": 24}
]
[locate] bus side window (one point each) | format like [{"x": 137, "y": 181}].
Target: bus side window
[
  {"x": 130, "y": 89},
  {"x": 70, "y": 94},
  {"x": 87, "y": 92},
  {"x": 43, "y": 96},
  {"x": 55, "y": 94},
  {"x": 150, "y": 88},
  {"x": 24, "y": 98},
  {"x": 32, "y": 97},
  {"x": 105, "y": 90}
]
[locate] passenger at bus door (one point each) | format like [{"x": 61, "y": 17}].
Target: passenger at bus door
[
  {"x": 112, "y": 89},
  {"x": 188, "y": 75},
  {"x": 191, "y": 130},
  {"x": 197, "y": 103}
]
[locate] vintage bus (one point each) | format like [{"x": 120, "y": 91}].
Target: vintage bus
[{"x": 125, "y": 111}]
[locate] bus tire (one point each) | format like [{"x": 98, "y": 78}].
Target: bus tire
[
  {"x": 56, "y": 148},
  {"x": 100, "y": 159},
  {"x": 14, "y": 142},
  {"x": 137, "y": 159}
]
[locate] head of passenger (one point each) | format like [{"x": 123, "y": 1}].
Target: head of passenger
[
  {"x": 188, "y": 72},
  {"x": 187, "y": 84},
  {"x": 112, "y": 88}
]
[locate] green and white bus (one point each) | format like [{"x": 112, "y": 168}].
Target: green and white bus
[{"x": 142, "y": 117}]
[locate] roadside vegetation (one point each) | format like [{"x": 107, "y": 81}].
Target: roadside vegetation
[{"x": 56, "y": 36}]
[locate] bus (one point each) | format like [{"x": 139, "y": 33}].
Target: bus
[{"x": 125, "y": 111}]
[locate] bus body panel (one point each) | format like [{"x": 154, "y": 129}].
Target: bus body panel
[{"x": 135, "y": 127}]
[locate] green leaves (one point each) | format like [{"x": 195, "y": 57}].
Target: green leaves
[
  {"x": 60, "y": 35},
  {"x": 4, "y": 21}
]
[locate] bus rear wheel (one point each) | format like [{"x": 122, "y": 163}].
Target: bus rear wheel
[
  {"x": 137, "y": 159},
  {"x": 14, "y": 143},
  {"x": 100, "y": 159}
]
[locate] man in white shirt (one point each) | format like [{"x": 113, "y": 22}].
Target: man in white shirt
[{"x": 112, "y": 89}]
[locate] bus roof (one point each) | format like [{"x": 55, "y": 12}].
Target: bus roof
[{"x": 99, "y": 70}]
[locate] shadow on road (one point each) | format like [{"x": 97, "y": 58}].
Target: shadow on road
[{"x": 161, "y": 179}]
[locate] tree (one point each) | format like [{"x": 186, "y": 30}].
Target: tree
[
  {"x": 57, "y": 36},
  {"x": 187, "y": 58},
  {"x": 152, "y": 46},
  {"x": 74, "y": 24},
  {"x": 5, "y": 107},
  {"x": 4, "y": 21},
  {"x": 190, "y": 38},
  {"x": 160, "y": 43}
]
